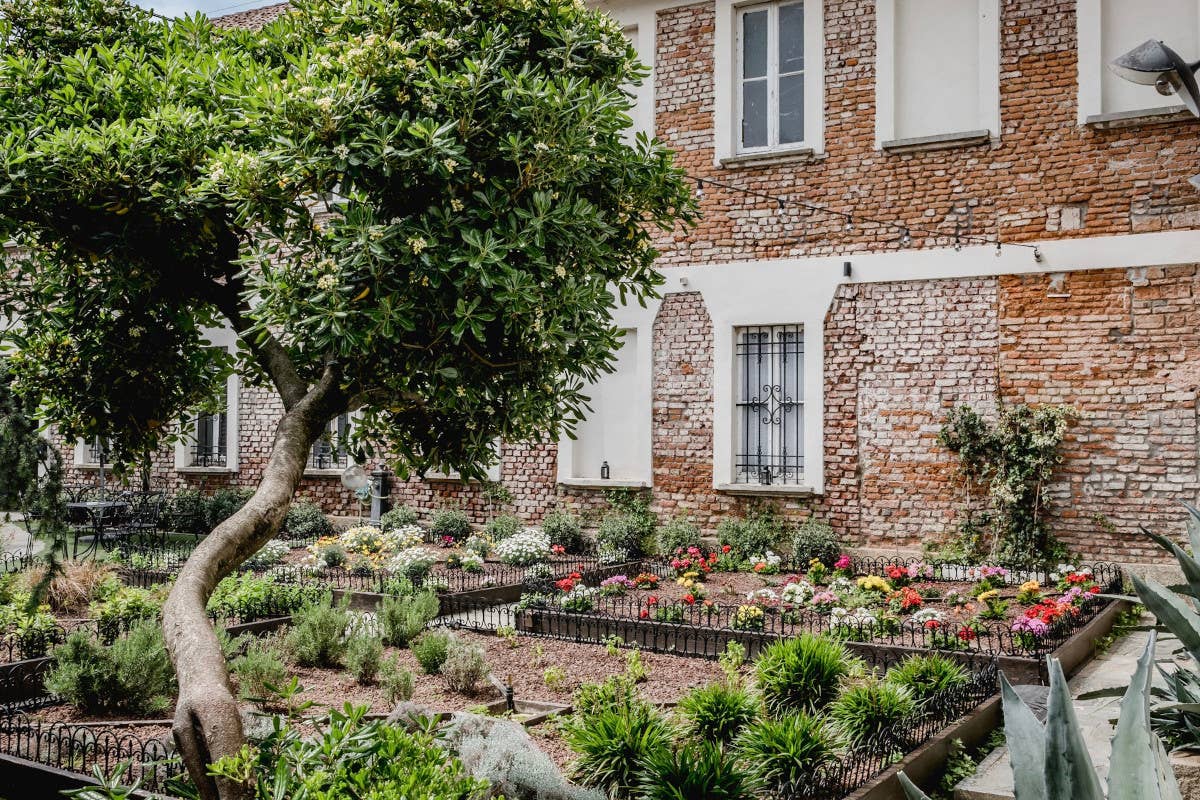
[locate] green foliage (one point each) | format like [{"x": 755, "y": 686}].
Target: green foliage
[
  {"x": 363, "y": 655},
  {"x": 133, "y": 676},
  {"x": 224, "y": 504},
  {"x": 619, "y": 538},
  {"x": 815, "y": 539},
  {"x": 565, "y": 529},
  {"x": 613, "y": 743},
  {"x": 186, "y": 512},
  {"x": 403, "y": 618},
  {"x": 927, "y": 676},
  {"x": 870, "y": 710},
  {"x": 679, "y": 532},
  {"x": 615, "y": 692},
  {"x": 431, "y": 649},
  {"x": 782, "y": 752},
  {"x": 732, "y": 659},
  {"x": 450, "y": 522},
  {"x": 305, "y": 520},
  {"x": 125, "y": 606},
  {"x": 396, "y": 681},
  {"x": 351, "y": 757},
  {"x": 502, "y": 527},
  {"x": 464, "y": 667},
  {"x": 1014, "y": 458},
  {"x": 801, "y": 674},
  {"x": 258, "y": 669},
  {"x": 398, "y": 517},
  {"x": 717, "y": 712},
  {"x": 695, "y": 771},
  {"x": 317, "y": 635},
  {"x": 248, "y": 597},
  {"x": 555, "y": 678},
  {"x": 761, "y": 530}
]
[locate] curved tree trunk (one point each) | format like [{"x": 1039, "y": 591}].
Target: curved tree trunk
[{"x": 207, "y": 723}]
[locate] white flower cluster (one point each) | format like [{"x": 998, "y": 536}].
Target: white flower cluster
[
  {"x": 1066, "y": 569},
  {"x": 762, "y": 596},
  {"x": 859, "y": 618},
  {"x": 528, "y": 546},
  {"x": 405, "y": 536},
  {"x": 471, "y": 562},
  {"x": 769, "y": 558},
  {"x": 269, "y": 554},
  {"x": 923, "y": 616},
  {"x": 413, "y": 561},
  {"x": 798, "y": 593}
]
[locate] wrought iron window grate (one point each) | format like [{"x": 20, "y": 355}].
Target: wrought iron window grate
[
  {"x": 329, "y": 451},
  {"x": 211, "y": 448},
  {"x": 770, "y": 405}
]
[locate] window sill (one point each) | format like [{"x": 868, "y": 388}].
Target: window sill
[
  {"x": 206, "y": 470},
  {"x": 324, "y": 473},
  {"x": 601, "y": 483},
  {"x": 773, "y": 489},
  {"x": 942, "y": 141},
  {"x": 92, "y": 466},
  {"x": 1131, "y": 119},
  {"x": 769, "y": 157}
]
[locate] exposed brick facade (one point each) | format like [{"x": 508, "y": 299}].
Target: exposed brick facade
[{"x": 898, "y": 355}]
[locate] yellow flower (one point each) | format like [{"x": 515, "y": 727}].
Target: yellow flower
[
  {"x": 874, "y": 583},
  {"x": 989, "y": 596}
]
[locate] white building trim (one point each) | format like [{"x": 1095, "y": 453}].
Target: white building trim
[
  {"x": 217, "y": 337},
  {"x": 638, "y": 21},
  {"x": 725, "y": 89},
  {"x": 885, "y": 70}
]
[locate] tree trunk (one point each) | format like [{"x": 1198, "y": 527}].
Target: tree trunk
[{"x": 208, "y": 723}]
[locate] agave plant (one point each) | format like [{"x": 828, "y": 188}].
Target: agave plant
[{"x": 1051, "y": 761}]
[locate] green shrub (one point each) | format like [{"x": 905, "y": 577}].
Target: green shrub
[
  {"x": 502, "y": 527},
  {"x": 616, "y": 692},
  {"x": 397, "y": 682},
  {"x": 403, "y": 618},
  {"x": 247, "y": 596},
  {"x": 128, "y": 605},
  {"x": 349, "y": 757},
  {"x": 306, "y": 520},
  {"x": 259, "y": 668},
  {"x": 186, "y": 513},
  {"x": 868, "y": 711},
  {"x": 564, "y": 529},
  {"x": 224, "y": 504},
  {"x": 815, "y": 539},
  {"x": 316, "y": 638},
  {"x": 465, "y": 666},
  {"x": 398, "y": 517},
  {"x": 363, "y": 654},
  {"x": 754, "y": 535},
  {"x": 926, "y": 676},
  {"x": 450, "y": 522},
  {"x": 801, "y": 674},
  {"x": 132, "y": 676},
  {"x": 782, "y": 752},
  {"x": 717, "y": 712},
  {"x": 619, "y": 538},
  {"x": 612, "y": 744},
  {"x": 430, "y": 650},
  {"x": 696, "y": 771},
  {"x": 679, "y": 533}
]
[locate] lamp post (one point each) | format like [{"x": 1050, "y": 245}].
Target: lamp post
[{"x": 1152, "y": 63}]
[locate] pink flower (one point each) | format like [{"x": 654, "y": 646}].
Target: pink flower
[{"x": 843, "y": 562}]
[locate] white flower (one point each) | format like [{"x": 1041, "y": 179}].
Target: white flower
[
  {"x": 341, "y": 151},
  {"x": 412, "y": 559},
  {"x": 324, "y": 103},
  {"x": 560, "y": 271},
  {"x": 450, "y": 164},
  {"x": 417, "y": 244},
  {"x": 528, "y": 546},
  {"x": 456, "y": 204},
  {"x": 798, "y": 593},
  {"x": 769, "y": 558},
  {"x": 326, "y": 282},
  {"x": 541, "y": 146},
  {"x": 761, "y": 595},
  {"x": 405, "y": 537}
]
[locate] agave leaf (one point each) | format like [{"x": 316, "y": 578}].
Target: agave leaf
[
  {"x": 1193, "y": 527},
  {"x": 1099, "y": 694},
  {"x": 1069, "y": 773},
  {"x": 1172, "y": 612},
  {"x": 910, "y": 790},
  {"x": 1189, "y": 565},
  {"x": 1026, "y": 738},
  {"x": 1187, "y": 708},
  {"x": 1131, "y": 776}
]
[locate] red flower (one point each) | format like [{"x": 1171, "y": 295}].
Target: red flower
[
  {"x": 1094, "y": 590},
  {"x": 760, "y": 566},
  {"x": 932, "y": 624},
  {"x": 689, "y": 599},
  {"x": 708, "y": 603},
  {"x": 575, "y": 576},
  {"x": 558, "y": 549},
  {"x": 966, "y": 634},
  {"x": 651, "y": 600},
  {"x": 725, "y": 548},
  {"x": 566, "y": 584},
  {"x": 645, "y": 614}
]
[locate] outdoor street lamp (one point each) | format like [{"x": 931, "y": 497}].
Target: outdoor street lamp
[
  {"x": 1152, "y": 63},
  {"x": 367, "y": 487}
]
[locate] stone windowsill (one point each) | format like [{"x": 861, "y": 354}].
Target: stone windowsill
[
  {"x": 601, "y": 483},
  {"x": 941, "y": 141},
  {"x": 206, "y": 470},
  {"x": 1130, "y": 119},
  {"x": 769, "y": 157},
  {"x": 324, "y": 473},
  {"x": 781, "y": 489}
]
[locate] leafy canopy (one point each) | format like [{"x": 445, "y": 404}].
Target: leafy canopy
[{"x": 433, "y": 199}]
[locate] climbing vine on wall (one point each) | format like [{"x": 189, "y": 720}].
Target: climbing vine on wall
[{"x": 1012, "y": 459}]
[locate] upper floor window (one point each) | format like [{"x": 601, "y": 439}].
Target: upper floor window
[
  {"x": 937, "y": 70},
  {"x": 330, "y": 450},
  {"x": 210, "y": 434},
  {"x": 1110, "y": 28},
  {"x": 769, "y": 74},
  {"x": 210, "y": 439},
  {"x": 769, "y": 366}
]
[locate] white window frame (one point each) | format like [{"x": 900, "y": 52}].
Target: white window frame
[
  {"x": 335, "y": 471},
  {"x": 640, "y": 320},
  {"x": 1089, "y": 24},
  {"x": 80, "y": 460},
  {"x": 639, "y": 26},
  {"x": 774, "y": 435},
  {"x": 885, "y": 71},
  {"x": 727, "y": 80},
  {"x": 216, "y": 337}
]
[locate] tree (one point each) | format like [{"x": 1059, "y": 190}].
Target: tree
[{"x": 421, "y": 209}]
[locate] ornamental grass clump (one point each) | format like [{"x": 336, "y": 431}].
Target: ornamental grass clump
[
  {"x": 718, "y": 712},
  {"x": 522, "y": 549},
  {"x": 363, "y": 655},
  {"x": 465, "y": 666},
  {"x": 696, "y": 771},
  {"x": 613, "y": 743},
  {"x": 781, "y": 753},
  {"x": 801, "y": 674},
  {"x": 927, "y": 676},
  {"x": 871, "y": 711}
]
